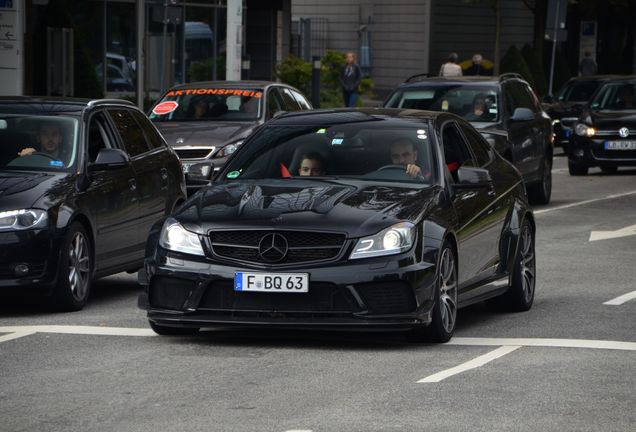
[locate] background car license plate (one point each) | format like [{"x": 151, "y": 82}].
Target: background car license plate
[
  {"x": 272, "y": 282},
  {"x": 620, "y": 145}
]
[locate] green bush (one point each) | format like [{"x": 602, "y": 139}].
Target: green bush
[
  {"x": 297, "y": 72},
  {"x": 513, "y": 61},
  {"x": 535, "y": 65},
  {"x": 202, "y": 71}
]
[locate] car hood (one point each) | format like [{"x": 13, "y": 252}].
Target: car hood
[
  {"x": 354, "y": 207},
  {"x": 613, "y": 119},
  {"x": 559, "y": 110},
  {"x": 21, "y": 190},
  {"x": 204, "y": 133}
]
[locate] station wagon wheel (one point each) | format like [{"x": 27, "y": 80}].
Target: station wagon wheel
[
  {"x": 76, "y": 265},
  {"x": 444, "y": 315},
  {"x": 541, "y": 191}
]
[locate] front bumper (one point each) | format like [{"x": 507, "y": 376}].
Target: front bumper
[
  {"x": 381, "y": 293},
  {"x": 589, "y": 152},
  {"x": 36, "y": 250}
]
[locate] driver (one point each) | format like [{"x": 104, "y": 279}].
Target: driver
[
  {"x": 312, "y": 165},
  {"x": 50, "y": 139},
  {"x": 403, "y": 152}
]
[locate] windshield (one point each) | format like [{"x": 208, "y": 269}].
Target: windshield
[
  {"x": 209, "y": 104},
  {"x": 36, "y": 142},
  {"x": 365, "y": 151},
  {"x": 473, "y": 103},
  {"x": 577, "y": 91},
  {"x": 616, "y": 96}
]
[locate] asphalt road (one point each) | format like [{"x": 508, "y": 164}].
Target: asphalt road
[{"x": 569, "y": 364}]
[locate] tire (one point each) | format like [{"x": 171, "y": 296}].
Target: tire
[
  {"x": 442, "y": 325},
  {"x": 76, "y": 270},
  {"x": 173, "y": 331},
  {"x": 577, "y": 170},
  {"x": 609, "y": 170},
  {"x": 520, "y": 294},
  {"x": 541, "y": 191}
]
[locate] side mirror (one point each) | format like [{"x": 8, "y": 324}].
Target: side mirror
[
  {"x": 200, "y": 173},
  {"x": 473, "y": 178},
  {"x": 522, "y": 114},
  {"x": 110, "y": 158}
]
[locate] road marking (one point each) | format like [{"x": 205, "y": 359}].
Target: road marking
[
  {"x": 606, "y": 235},
  {"x": 546, "y": 343},
  {"x": 15, "y": 335},
  {"x": 80, "y": 330},
  {"x": 621, "y": 299},
  {"x": 580, "y": 203},
  {"x": 472, "y": 364}
]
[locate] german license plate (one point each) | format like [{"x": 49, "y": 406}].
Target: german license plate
[
  {"x": 620, "y": 145},
  {"x": 185, "y": 167},
  {"x": 272, "y": 282}
]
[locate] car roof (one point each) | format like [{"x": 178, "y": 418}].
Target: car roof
[
  {"x": 603, "y": 78},
  {"x": 44, "y": 104},
  {"x": 351, "y": 115},
  {"x": 226, "y": 84}
]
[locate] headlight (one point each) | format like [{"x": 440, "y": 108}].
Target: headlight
[
  {"x": 393, "y": 240},
  {"x": 584, "y": 130},
  {"x": 22, "y": 219},
  {"x": 229, "y": 149},
  {"x": 176, "y": 238}
]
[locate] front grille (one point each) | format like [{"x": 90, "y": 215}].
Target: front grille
[
  {"x": 302, "y": 246},
  {"x": 614, "y": 133},
  {"x": 322, "y": 298},
  {"x": 194, "y": 153}
]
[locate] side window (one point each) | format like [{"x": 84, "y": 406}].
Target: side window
[
  {"x": 98, "y": 137},
  {"x": 302, "y": 101},
  {"x": 534, "y": 100},
  {"x": 153, "y": 138},
  {"x": 521, "y": 96},
  {"x": 288, "y": 100},
  {"x": 456, "y": 151},
  {"x": 131, "y": 134},
  {"x": 274, "y": 102},
  {"x": 480, "y": 147}
]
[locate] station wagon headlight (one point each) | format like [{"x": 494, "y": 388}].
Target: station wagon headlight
[
  {"x": 176, "y": 238},
  {"x": 22, "y": 219},
  {"x": 582, "y": 129},
  {"x": 229, "y": 149},
  {"x": 393, "y": 240}
]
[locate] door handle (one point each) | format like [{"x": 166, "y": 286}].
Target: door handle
[{"x": 132, "y": 184}]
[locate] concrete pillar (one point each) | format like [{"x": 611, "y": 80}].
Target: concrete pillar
[{"x": 234, "y": 40}]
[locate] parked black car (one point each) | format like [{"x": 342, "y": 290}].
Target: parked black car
[
  {"x": 605, "y": 133},
  {"x": 505, "y": 103},
  {"x": 569, "y": 102},
  {"x": 363, "y": 245},
  {"x": 81, "y": 183},
  {"x": 207, "y": 121}
]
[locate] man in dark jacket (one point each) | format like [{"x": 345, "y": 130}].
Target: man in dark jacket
[
  {"x": 350, "y": 78},
  {"x": 477, "y": 68}
]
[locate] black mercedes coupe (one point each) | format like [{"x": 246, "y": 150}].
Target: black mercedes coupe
[{"x": 372, "y": 219}]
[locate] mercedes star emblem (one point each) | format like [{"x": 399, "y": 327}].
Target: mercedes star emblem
[
  {"x": 273, "y": 247},
  {"x": 179, "y": 140},
  {"x": 623, "y": 132}
]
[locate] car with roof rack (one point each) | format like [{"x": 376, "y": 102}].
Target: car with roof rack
[
  {"x": 504, "y": 109},
  {"x": 81, "y": 183},
  {"x": 205, "y": 122}
]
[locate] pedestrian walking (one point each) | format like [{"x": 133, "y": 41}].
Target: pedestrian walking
[
  {"x": 477, "y": 69},
  {"x": 350, "y": 78},
  {"x": 451, "y": 68},
  {"x": 588, "y": 65}
]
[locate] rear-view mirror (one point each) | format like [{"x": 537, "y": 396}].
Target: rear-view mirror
[
  {"x": 201, "y": 173},
  {"x": 110, "y": 158},
  {"x": 522, "y": 114},
  {"x": 471, "y": 177}
]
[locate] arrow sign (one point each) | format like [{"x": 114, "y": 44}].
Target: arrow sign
[{"x": 605, "y": 235}]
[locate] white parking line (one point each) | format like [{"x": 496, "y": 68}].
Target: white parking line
[
  {"x": 621, "y": 299},
  {"x": 472, "y": 364},
  {"x": 580, "y": 203},
  {"x": 546, "y": 343},
  {"x": 15, "y": 335}
]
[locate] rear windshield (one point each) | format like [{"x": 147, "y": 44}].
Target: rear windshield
[
  {"x": 37, "y": 142},
  {"x": 473, "y": 103},
  {"x": 209, "y": 104}
]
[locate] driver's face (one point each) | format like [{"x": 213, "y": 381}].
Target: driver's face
[
  {"x": 50, "y": 138},
  {"x": 403, "y": 154},
  {"x": 310, "y": 167}
]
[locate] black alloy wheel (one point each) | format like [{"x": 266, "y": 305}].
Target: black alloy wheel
[
  {"x": 520, "y": 295},
  {"x": 173, "y": 331},
  {"x": 577, "y": 170},
  {"x": 76, "y": 270},
  {"x": 444, "y": 318},
  {"x": 541, "y": 191}
]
